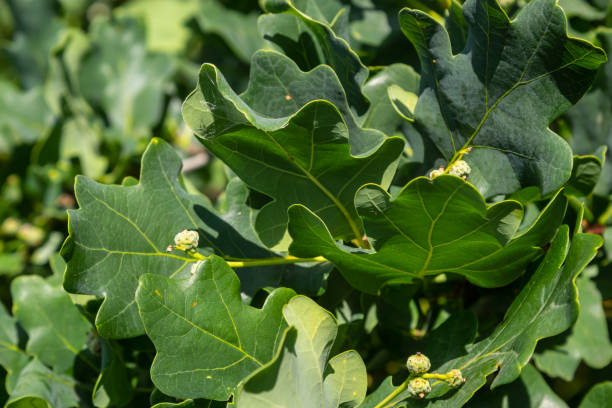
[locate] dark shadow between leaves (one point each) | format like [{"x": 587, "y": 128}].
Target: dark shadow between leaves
[{"x": 228, "y": 242}]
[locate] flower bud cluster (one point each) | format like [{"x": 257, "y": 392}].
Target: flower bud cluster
[
  {"x": 460, "y": 168},
  {"x": 418, "y": 383},
  {"x": 418, "y": 364},
  {"x": 185, "y": 240},
  {"x": 435, "y": 173}
]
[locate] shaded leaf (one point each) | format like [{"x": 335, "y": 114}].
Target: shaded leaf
[
  {"x": 431, "y": 227},
  {"x": 529, "y": 391},
  {"x": 206, "y": 339},
  {"x": 382, "y": 114},
  {"x": 586, "y": 172},
  {"x": 301, "y": 375},
  {"x": 588, "y": 339},
  {"x": 501, "y": 92},
  {"x": 240, "y": 214},
  {"x": 590, "y": 121},
  {"x": 239, "y": 30},
  {"x": 113, "y": 387}
]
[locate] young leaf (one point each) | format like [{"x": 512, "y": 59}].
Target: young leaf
[
  {"x": 431, "y": 227},
  {"x": 546, "y": 306},
  {"x": 56, "y": 329},
  {"x": 299, "y": 376},
  {"x": 206, "y": 338},
  {"x": 501, "y": 92},
  {"x": 303, "y": 158}
]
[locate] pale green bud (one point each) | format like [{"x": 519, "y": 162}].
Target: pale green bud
[
  {"x": 10, "y": 226},
  {"x": 186, "y": 240},
  {"x": 460, "y": 169},
  {"x": 457, "y": 378},
  {"x": 31, "y": 235},
  {"x": 419, "y": 387},
  {"x": 435, "y": 173},
  {"x": 418, "y": 363}
]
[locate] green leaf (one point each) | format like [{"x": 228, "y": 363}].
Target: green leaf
[
  {"x": 382, "y": 114},
  {"x": 299, "y": 376},
  {"x": 122, "y": 78},
  {"x": 81, "y": 129},
  {"x": 598, "y": 396},
  {"x": 238, "y": 30},
  {"x": 240, "y": 214},
  {"x": 166, "y": 23},
  {"x": 590, "y": 122},
  {"x": 431, "y": 227},
  {"x": 547, "y": 305},
  {"x": 588, "y": 339},
  {"x": 56, "y": 329},
  {"x": 25, "y": 116},
  {"x": 113, "y": 387},
  {"x": 122, "y": 232},
  {"x": 12, "y": 359},
  {"x": 403, "y": 101},
  {"x": 586, "y": 172},
  {"x": 37, "y": 30},
  {"x": 582, "y": 9},
  {"x": 499, "y": 95},
  {"x": 530, "y": 391},
  {"x": 207, "y": 340},
  {"x": 191, "y": 404},
  {"x": 39, "y": 387},
  {"x": 277, "y": 91},
  {"x": 308, "y": 150},
  {"x": 444, "y": 343},
  {"x": 311, "y": 42}
]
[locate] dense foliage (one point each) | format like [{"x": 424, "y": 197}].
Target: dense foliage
[{"x": 351, "y": 203}]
